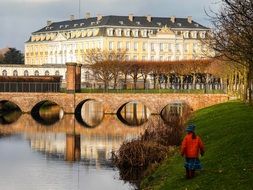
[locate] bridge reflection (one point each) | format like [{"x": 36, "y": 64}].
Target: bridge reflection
[{"x": 68, "y": 140}]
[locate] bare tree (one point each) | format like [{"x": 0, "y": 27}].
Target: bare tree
[{"x": 233, "y": 34}]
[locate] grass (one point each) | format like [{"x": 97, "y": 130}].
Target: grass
[{"x": 227, "y": 131}]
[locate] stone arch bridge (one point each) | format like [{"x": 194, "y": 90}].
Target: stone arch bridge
[{"x": 113, "y": 101}]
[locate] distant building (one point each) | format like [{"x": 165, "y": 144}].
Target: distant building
[{"x": 143, "y": 38}]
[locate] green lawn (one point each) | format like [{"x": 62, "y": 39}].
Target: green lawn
[{"x": 227, "y": 131}]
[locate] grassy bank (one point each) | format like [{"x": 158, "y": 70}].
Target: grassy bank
[{"x": 227, "y": 131}]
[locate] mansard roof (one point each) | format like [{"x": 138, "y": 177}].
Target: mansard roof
[{"x": 121, "y": 21}]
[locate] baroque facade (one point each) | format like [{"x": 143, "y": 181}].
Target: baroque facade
[{"x": 142, "y": 37}]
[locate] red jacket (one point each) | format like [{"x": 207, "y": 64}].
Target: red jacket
[{"x": 192, "y": 147}]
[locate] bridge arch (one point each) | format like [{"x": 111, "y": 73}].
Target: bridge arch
[
  {"x": 47, "y": 112},
  {"x": 133, "y": 113},
  {"x": 9, "y": 112},
  {"x": 89, "y": 112}
]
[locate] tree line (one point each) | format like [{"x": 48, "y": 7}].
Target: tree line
[
  {"x": 110, "y": 67},
  {"x": 12, "y": 56}
]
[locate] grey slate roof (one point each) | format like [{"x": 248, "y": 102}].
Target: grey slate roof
[{"x": 120, "y": 21}]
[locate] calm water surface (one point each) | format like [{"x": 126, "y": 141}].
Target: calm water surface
[{"x": 63, "y": 156}]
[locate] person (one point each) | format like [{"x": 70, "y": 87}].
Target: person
[{"x": 191, "y": 147}]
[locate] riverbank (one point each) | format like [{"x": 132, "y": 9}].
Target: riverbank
[{"x": 226, "y": 130}]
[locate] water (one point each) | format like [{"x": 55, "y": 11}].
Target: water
[
  {"x": 48, "y": 150},
  {"x": 64, "y": 155}
]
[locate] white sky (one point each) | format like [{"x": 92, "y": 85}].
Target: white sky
[{"x": 19, "y": 18}]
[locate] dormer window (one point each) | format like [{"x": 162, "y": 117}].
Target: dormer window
[
  {"x": 121, "y": 22},
  {"x": 81, "y": 24},
  {"x": 92, "y": 23},
  {"x": 138, "y": 23},
  {"x": 135, "y": 32},
  {"x": 127, "y": 32},
  {"x": 186, "y": 34},
  {"x": 75, "y": 25},
  {"x": 144, "y": 33},
  {"x": 197, "y": 25},
  {"x": 118, "y": 32},
  {"x": 110, "y": 31},
  {"x": 179, "y": 24},
  {"x": 194, "y": 34},
  {"x": 66, "y": 26},
  {"x": 61, "y": 26},
  {"x": 159, "y": 24},
  {"x": 202, "y": 34}
]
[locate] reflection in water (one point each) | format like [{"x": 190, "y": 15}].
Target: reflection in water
[
  {"x": 133, "y": 113},
  {"x": 9, "y": 112},
  {"x": 90, "y": 113},
  {"x": 47, "y": 112},
  {"x": 172, "y": 111},
  {"x": 64, "y": 140}
]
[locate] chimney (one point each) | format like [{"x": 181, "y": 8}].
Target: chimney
[
  {"x": 87, "y": 15},
  {"x": 149, "y": 18},
  {"x": 99, "y": 17},
  {"x": 173, "y": 19},
  {"x": 131, "y": 17},
  {"x": 72, "y": 17},
  {"x": 189, "y": 18},
  {"x": 49, "y": 22}
]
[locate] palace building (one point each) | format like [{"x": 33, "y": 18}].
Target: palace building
[{"x": 142, "y": 37}]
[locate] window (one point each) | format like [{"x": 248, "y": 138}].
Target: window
[
  {"x": 135, "y": 46},
  {"x": 110, "y": 45},
  {"x": 161, "y": 46},
  {"x": 36, "y": 73},
  {"x": 119, "y": 45},
  {"x": 135, "y": 57},
  {"x": 15, "y": 73},
  {"x": 26, "y": 73},
  {"x": 185, "y": 47},
  {"x": 152, "y": 47},
  {"x": 127, "y": 32},
  {"x": 143, "y": 58},
  {"x": 161, "y": 58},
  {"x": 144, "y": 46},
  {"x": 135, "y": 33},
  {"x": 118, "y": 32},
  {"x": 127, "y": 58},
  {"x": 4, "y": 73},
  {"x": 169, "y": 47},
  {"x": 87, "y": 76},
  {"x": 57, "y": 73},
  {"x": 186, "y": 34},
  {"x": 110, "y": 32},
  {"x": 144, "y": 33},
  {"x": 152, "y": 58},
  {"x": 46, "y": 72},
  {"x": 194, "y": 34},
  {"x": 127, "y": 46}
]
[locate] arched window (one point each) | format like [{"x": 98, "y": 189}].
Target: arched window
[
  {"x": 15, "y": 73},
  {"x": 57, "y": 73},
  {"x": 4, "y": 73},
  {"x": 26, "y": 73},
  {"x": 36, "y": 73},
  {"x": 46, "y": 72}
]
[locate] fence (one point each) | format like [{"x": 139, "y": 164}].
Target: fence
[{"x": 30, "y": 86}]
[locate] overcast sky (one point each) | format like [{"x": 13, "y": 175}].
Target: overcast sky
[{"x": 19, "y": 18}]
